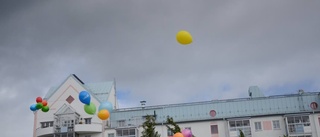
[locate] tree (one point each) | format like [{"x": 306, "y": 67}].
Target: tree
[
  {"x": 175, "y": 128},
  {"x": 149, "y": 127},
  {"x": 241, "y": 134}
]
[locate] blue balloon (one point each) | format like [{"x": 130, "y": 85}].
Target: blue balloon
[
  {"x": 106, "y": 105},
  {"x": 33, "y": 107},
  {"x": 84, "y": 97}
]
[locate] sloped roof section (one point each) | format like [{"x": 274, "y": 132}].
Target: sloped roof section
[
  {"x": 50, "y": 92},
  {"x": 65, "y": 109},
  {"x": 100, "y": 90}
]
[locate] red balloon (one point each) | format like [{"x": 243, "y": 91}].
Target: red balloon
[
  {"x": 44, "y": 102},
  {"x": 39, "y": 100}
]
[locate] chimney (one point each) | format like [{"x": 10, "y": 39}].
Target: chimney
[{"x": 143, "y": 103}]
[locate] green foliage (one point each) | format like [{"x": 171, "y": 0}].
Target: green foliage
[
  {"x": 241, "y": 134},
  {"x": 175, "y": 127},
  {"x": 149, "y": 127}
]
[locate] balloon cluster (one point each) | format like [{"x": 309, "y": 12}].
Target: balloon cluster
[
  {"x": 41, "y": 104},
  {"x": 104, "y": 110},
  {"x": 185, "y": 133},
  {"x": 90, "y": 108}
]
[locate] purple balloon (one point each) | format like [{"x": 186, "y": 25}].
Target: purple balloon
[{"x": 187, "y": 133}]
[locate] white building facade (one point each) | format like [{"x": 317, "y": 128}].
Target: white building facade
[
  {"x": 66, "y": 117},
  {"x": 295, "y": 115}
]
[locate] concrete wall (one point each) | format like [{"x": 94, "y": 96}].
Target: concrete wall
[
  {"x": 202, "y": 129},
  {"x": 73, "y": 88},
  {"x": 266, "y": 130}
]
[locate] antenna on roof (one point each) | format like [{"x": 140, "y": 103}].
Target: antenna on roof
[{"x": 301, "y": 91}]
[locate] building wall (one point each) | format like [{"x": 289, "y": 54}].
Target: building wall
[
  {"x": 73, "y": 88},
  {"x": 112, "y": 97},
  {"x": 69, "y": 88},
  {"x": 315, "y": 124},
  {"x": 203, "y": 129},
  {"x": 267, "y": 126},
  {"x": 256, "y": 110},
  {"x": 92, "y": 135}
]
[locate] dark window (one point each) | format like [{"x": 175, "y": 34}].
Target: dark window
[
  {"x": 87, "y": 120},
  {"x": 214, "y": 129},
  {"x": 169, "y": 133}
]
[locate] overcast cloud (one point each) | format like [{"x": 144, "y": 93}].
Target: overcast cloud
[{"x": 272, "y": 44}]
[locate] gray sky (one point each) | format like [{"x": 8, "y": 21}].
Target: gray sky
[{"x": 272, "y": 44}]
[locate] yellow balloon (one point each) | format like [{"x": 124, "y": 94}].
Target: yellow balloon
[
  {"x": 184, "y": 37},
  {"x": 103, "y": 114}
]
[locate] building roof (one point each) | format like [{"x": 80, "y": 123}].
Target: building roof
[
  {"x": 99, "y": 90},
  {"x": 66, "y": 109},
  {"x": 223, "y": 109}
]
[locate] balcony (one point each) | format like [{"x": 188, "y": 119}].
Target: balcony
[
  {"x": 44, "y": 131},
  {"x": 88, "y": 128}
]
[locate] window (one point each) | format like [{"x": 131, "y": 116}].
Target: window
[
  {"x": 125, "y": 132},
  {"x": 119, "y": 133},
  {"x": 46, "y": 124},
  {"x": 299, "y": 124},
  {"x": 128, "y": 132},
  {"x": 132, "y": 132},
  {"x": 214, "y": 129},
  {"x": 87, "y": 120},
  {"x": 111, "y": 135},
  {"x": 276, "y": 124},
  {"x": 257, "y": 126},
  {"x": 244, "y": 125},
  {"x": 169, "y": 132},
  {"x": 121, "y": 123},
  {"x": 188, "y": 128}
]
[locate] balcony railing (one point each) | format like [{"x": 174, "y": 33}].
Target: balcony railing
[{"x": 44, "y": 131}]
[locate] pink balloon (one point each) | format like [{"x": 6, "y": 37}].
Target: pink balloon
[{"x": 186, "y": 133}]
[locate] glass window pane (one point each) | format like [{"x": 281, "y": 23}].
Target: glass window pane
[
  {"x": 132, "y": 132},
  {"x": 125, "y": 132},
  {"x": 111, "y": 135},
  {"x": 276, "y": 124},
  {"x": 232, "y": 123},
  {"x": 214, "y": 129},
  {"x": 290, "y": 120},
  {"x": 238, "y": 123},
  {"x": 305, "y": 119},
  {"x": 257, "y": 125},
  {"x": 170, "y": 133},
  {"x": 246, "y": 123},
  {"x": 119, "y": 132},
  {"x": 297, "y": 119}
]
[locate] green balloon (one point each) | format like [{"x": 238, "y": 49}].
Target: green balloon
[
  {"x": 39, "y": 105},
  {"x": 45, "y": 109},
  {"x": 90, "y": 109}
]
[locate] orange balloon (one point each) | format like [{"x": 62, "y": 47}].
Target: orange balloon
[
  {"x": 178, "y": 134},
  {"x": 103, "y": 114},
  {"x": 44, "y": 103}
]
